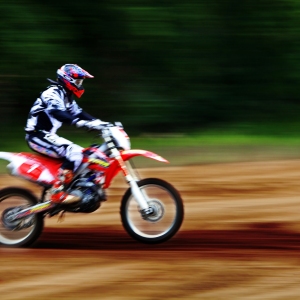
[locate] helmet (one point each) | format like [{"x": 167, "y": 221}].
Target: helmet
[{"x": 71, "y": 77}]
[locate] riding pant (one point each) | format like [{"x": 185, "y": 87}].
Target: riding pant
[{"x": 54, "y": 146}]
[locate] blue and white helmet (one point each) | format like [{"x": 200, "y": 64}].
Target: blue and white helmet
[{"x": 71, "y": 76}]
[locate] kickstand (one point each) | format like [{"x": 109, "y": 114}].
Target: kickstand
[{"x": 61, "y": 217}]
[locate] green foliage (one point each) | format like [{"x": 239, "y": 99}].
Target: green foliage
[
  {"x": 158, "y": 65},
  {"x": 241, "y": 142}
]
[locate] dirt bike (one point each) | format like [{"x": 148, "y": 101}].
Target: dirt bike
[{"x": 151, "y": 209}]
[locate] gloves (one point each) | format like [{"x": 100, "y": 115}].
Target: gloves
[{"x": 92, "y": 125}]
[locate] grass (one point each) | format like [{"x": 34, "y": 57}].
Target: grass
[{"x": 234, "y": 143}]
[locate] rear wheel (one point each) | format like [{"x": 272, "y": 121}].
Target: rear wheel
[
  {"x": 163, "y": 222},
  {"x": 22, "y": 232}
]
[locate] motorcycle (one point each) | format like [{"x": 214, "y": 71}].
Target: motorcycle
[{"x": 151, "y": 209}]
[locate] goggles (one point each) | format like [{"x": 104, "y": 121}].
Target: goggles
[{"x": 78, "y": 82}]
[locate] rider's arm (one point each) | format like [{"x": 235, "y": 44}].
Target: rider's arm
[
  {"x": 78, "y": 113},
  {"x": 84, "y": 116},
  {"x": 68, "y": 114},
  {"x": 63, "y": 116},
  {"x": 67, "y": 118}
]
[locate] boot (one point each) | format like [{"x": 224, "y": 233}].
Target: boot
[{"x": 58, "y": 192}]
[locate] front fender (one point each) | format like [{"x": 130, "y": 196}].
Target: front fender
[
  {"x": 114, "y": 167},
  {"x": 128, "y": 154}
]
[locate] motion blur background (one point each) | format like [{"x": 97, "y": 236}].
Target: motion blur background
[
  {"x": 159, "y": 66},
  {"x": 197, "y": 81}
]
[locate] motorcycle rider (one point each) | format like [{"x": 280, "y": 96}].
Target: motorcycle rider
[{"x": 55, "y": 106}]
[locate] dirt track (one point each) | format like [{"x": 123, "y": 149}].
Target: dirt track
[{"x": 240, "y": 240}]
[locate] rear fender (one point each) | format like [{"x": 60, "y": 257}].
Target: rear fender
[
  {"x": 33, "y": 167},
  {"x": 9, "y": 156}
]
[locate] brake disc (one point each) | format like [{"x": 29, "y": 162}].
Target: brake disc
[{"x": 158, "y": 211}]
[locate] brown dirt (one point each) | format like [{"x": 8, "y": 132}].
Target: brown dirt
[{"x": 240, "y": 240}]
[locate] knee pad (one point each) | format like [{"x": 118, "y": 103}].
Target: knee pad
[{"x": 74, "y": 154}]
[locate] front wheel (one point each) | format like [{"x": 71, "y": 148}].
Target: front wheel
[
  {"x": 167, "y": 216},
  {"x": 22, "y": 232}
]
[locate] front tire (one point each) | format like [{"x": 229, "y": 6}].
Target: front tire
[
  {"x": 19, "y": 233},
  {"x": 168, "y": 214}
]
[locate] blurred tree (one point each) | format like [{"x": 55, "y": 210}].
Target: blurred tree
[{"x": 157, "y": 64}]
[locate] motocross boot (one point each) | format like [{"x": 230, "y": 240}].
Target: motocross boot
[{"x": 58, "y": 192}]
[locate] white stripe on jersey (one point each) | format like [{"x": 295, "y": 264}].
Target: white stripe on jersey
[{"x": 52, "y": 98}]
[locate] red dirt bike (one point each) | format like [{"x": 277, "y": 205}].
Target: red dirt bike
[{"x": 151, "y": 209}]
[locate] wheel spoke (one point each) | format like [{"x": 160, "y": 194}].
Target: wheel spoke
[
  {"x": 163, "y": 222},
  {"x": 19, "y": 232}
]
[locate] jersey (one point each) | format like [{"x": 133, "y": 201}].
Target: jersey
[{"x": 53, "y": 108}]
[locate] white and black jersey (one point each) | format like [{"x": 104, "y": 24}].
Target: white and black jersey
[
  {"x": 50, "y": 110},
  {"x": 53, "y": 108}
]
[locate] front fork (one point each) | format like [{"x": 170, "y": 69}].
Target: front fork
[
  {"x": 136, "y": 191},
  {"x": 131, "y": 179},
  {"x": 140, "y": 198}
]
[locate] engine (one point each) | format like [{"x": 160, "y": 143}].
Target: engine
[{"x": 91, "y": 194}]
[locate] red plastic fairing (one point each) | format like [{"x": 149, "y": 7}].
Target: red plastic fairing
[
  {"x": 52, "y": 164},
  {"x": 35, "y": 164},
  {"x": 137, "y": 152},
  {"x": 114, "y": 167}
]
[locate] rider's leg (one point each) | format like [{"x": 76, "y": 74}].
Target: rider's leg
[
  {"x": 55, "y": 146},
  {"x": 58, "y": 193},
  {"x": 65, "y": 176}
]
